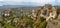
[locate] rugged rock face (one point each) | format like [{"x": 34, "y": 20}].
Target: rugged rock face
[
  {"x": 54, "y": 23},
  {"x": 52, "y": 17},
  {"x": 45, "y": 17}
]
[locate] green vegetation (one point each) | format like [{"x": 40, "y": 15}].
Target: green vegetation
[{"x": 23, "y": 22}]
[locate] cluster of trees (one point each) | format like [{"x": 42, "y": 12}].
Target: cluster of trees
[
  {"x": 21, "y": 21},
  {"x": 37, "y": 19}
]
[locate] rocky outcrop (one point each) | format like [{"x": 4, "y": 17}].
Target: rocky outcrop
[{"x": 54, "y": 24}]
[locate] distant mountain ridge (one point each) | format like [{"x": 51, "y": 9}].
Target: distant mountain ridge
[{"x": 15, "y": 6}]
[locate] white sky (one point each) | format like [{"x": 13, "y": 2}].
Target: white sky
[{"x": 37, "y": 1}]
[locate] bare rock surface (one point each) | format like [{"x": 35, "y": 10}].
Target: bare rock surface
[{"x": 54, "y": 24}]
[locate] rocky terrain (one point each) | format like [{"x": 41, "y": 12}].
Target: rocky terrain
[{"x": 46, "y": 16}]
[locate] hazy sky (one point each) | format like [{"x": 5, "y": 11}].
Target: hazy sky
[{"x": 29, "y": 2}]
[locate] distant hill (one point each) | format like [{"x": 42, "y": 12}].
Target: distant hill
[
  {"x": 22, "y": 7},
  {"x": 16, "y": 6},
  {"x": 19, "y": 6}
]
